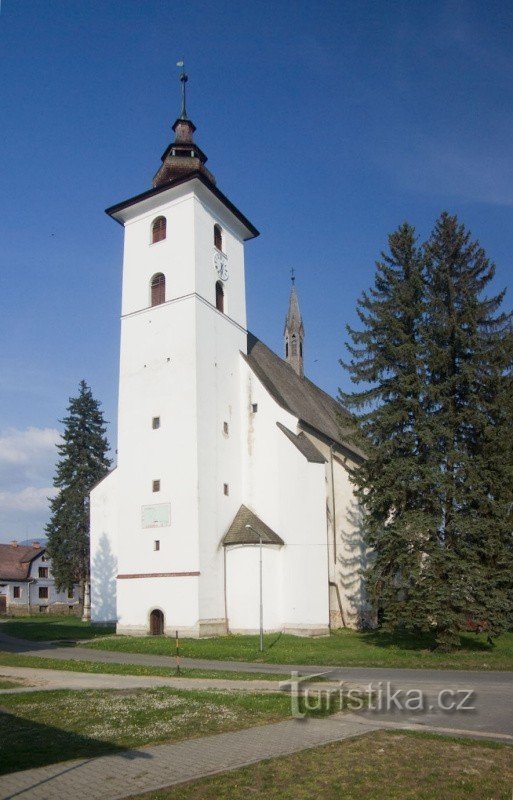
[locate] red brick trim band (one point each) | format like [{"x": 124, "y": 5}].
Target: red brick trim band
[{"x": 159, "y": 575}]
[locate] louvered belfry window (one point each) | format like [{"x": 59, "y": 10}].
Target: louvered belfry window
[
  {"x": 158, "y": 230},
  {"x": 218, "y": 237},
  {"x": 158, "y": 289},
  {"x": 219, "y": 296}
]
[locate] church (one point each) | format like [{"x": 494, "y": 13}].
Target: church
[{"x": 231, "y": 506}]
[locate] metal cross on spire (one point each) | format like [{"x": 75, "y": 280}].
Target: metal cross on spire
[
  {"x": 293, "y": 276},
  {"x": 183, "y": 79}
]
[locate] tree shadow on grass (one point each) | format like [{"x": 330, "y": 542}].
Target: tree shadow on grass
[
  {"x": 406, "y": 640},
  {"x": 25, "y": 744}
]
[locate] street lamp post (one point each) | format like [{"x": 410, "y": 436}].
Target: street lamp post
[{"x": 260, "y": 586}]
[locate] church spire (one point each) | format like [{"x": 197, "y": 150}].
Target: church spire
[
  {"x": 182, "y": 157},
  {"x": 294, "y": 332}
]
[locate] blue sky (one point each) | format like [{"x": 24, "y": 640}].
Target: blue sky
[{"x": 326, "y": 123}]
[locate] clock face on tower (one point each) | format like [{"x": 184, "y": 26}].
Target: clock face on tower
[{"x": 221, "y": 265}]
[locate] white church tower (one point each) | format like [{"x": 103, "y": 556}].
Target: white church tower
[
  {"x": 183, "y": 325},
  {"x": 228, "y": 456}
]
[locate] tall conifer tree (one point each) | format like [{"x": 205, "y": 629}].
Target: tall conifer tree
[
  {"x": 435, "y": 419},
  {"x": 83, "y": 463},
  {"x": 393, "y": 482},
  {"x": 468, "y": 357}
]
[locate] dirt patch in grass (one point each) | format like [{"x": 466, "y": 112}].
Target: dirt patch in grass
[
  {"x": 379, "y": 766},
  {"x": 12, "y": 683}
]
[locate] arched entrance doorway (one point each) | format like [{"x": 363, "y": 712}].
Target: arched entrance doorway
[{"x": 156, "y": 622}]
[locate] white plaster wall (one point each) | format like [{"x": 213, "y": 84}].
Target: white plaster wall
[
  {"x": 348, "y": 555},
  {"x": 175, "y": 597},
  {"x": 243, "y": 588},
  {"x": 289, "y": 494},
  {"x": 104, "y": 549},
  {"x": 174, "y": 256},
  {"x": 219, "y": 455}
]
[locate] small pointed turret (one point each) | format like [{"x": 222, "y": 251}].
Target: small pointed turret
[
  {"x": 182, "y": 156},
  {"x": 294, "y": 332}
]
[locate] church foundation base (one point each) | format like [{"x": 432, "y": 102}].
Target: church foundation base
[
  {"x": 202, "y": 630},
  {"x": 307, "y": 630}
]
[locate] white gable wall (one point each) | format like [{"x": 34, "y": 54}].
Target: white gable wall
[{"x": 289, "y": 494}]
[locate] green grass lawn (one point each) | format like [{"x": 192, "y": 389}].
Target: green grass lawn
[
  {"x": 342, "y": 648},
  {"x": 98, "y": 667},
  {"x": 53, "y": 628},
  {"x": 379, "y": 766},
  {"x": 41, "y": 728}
]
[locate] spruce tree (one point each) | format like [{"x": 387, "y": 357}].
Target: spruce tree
[
  {"x": 393, "y": 482},
  {"x": 468, "y": 361},
  {"x": 435, "y": 419},
  {"x": 82, "y": 464}
]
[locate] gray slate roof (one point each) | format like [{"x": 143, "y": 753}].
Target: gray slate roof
[
  {"x": 299, "y": 395},
  {"x": 304, "y": 445},
  {"x": 239, "y": 534}
]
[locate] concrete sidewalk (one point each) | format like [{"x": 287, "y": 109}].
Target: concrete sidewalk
[
  {"x": 147, "y": 769},
  {"x": 37, "y": 679}
]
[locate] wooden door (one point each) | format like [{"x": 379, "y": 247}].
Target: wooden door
[{"x": 156, "y": 622}]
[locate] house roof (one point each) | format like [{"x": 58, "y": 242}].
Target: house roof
[
  {"x": 298, "y": 395},
  {"x": 15, "y": 561},
  {"x": 304, "y": 445},
  {"x": 238, "y": 533}
]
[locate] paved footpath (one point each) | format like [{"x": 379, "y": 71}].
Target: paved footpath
[
  {"x": 37, "y": 679},
  {"x": 150, "y": 768}
]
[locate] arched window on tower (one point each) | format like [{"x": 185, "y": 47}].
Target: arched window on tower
[
  {"x": 158, "y": 289},
  {"x": 287, "y": 349},
  {"x": 158, "y": 229},
  {"x": 294, "y": 345},
  {"x": 218, "y": 237},
  {"x": 220, "y": 296}
]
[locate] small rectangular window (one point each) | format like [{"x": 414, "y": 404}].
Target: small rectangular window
[
  {"x": 70, "y": 594},
  {"x": 43, "y": 592},
  {"x": 254, "y": 407},
  {"x": 71, "y": 608},
  {"x": 44, "y": 558},
  {"x": 156, "y": 544},
  {"x": 156, "y": 486},
  {"x": 43, "y": 609},
  {"x": 226, "y": 489},
  {"x": 16, "y": 592},
  {"x": 225, "y": 428},
  {"x": 43, "y": 572},
  {"x": 155, "y": 423}
]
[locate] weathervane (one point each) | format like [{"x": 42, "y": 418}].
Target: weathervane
[
  {"x": 292, "y": 276},
  {"x": 183, "y": 79}
]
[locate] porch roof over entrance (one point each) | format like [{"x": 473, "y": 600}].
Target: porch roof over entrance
[{"x": 238, "y": 533}]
